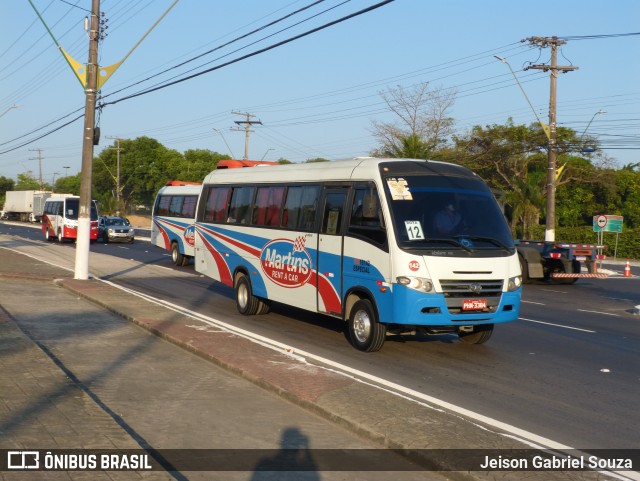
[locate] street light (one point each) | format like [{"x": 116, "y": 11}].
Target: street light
[
  {"x": 66, "y": 170},
  {"x": 265, "y": 154},
  {"x": 14, "y": 106},
  {"x": 544, "y": 126},
  {"x": 225, "y": 141},
  {"x": 599, "y": 112}
]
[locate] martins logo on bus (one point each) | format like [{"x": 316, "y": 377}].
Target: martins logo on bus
[
  {"x": 286, "y": 262},
  {"x": 190, "y": 235}
]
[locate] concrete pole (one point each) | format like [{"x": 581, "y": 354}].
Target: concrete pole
[{"x": 84, "y": 214}]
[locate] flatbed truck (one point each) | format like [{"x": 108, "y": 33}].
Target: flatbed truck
[{"x": 559, "y": 262}]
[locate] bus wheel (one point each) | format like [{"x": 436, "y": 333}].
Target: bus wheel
[
  {"x": 264, "y": 307},
  {"x": 479, "y": 335},
  {"x": 176, "y": 257},
  {"x": 47, "y": 235},
  {"x": 246, "y": 302},
  {"x": 60, "y": 238},
  {"x": 365, "y": 332}
]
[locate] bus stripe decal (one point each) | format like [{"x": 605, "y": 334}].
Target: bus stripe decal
[
  {"x": 164, "y": 234},
  {"x": 245, "y": 247},
  {"x": 328, "y": 293},
  {"x": 223, "y": 268},
  {"x": 175, "y": 225}
]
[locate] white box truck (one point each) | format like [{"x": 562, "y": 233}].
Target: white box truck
[{"x": 26, "y": 205}]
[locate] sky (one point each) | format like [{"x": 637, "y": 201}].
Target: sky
[{"x": 317, "y": 95}]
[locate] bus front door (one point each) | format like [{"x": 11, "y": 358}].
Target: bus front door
[{"x": 329, "y": 264}]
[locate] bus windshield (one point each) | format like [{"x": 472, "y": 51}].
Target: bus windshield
[
  {"x": 72, "y": 209},
  {"x": 447, "y": 213}
]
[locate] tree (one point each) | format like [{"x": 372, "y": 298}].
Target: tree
[
  {"x": 27, "y": 181},
  {"x": 5, "y": 184},
  {"x": 198, "y": 163},
  {"x": 422, "y": 125},
  {"x": 145, "y": 166},
  {"x": 68, "y": 185}
]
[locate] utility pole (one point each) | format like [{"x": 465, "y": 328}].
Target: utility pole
[
  {"x": 118, "y": 188},
  {"x": 247, "y": 128},
  {"x": 554, "y": 68},
  {"x": 39, "y": 159},
  {"x": 84, "y": 213}
]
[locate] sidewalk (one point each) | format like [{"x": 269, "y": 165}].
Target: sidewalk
[{"x": 78, "y": 372}]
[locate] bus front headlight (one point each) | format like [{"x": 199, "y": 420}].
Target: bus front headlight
[
  {"x": 416, "y": 283},
  {"x": 514, "y": 283}
]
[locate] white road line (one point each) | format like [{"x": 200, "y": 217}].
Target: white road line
[
  {"x": 554, "y": 290},
  {"x": 531, "y": 302},
  {"x": 600, "y": 312},
  {"x": 558, "y": 325}
]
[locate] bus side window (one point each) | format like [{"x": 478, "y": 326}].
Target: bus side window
[
  {"x": 366, "y": 216},
  {"x": 176, "y": 205},
  {"x": 189, "y": 207},
  {"x": 215, "y": 210},
  {"x": 300, "y": 207},
  {"x": 240, "y": 212},
  {"x": 163, "y": 205},
  {"x": 333, "y": 212}
]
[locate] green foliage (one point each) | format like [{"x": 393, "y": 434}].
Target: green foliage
[
  {"x": 408, "y": 147},
  {"x": 5, "y": 185},
  {"x": 145, "y": 165},
  {"x": 68, "y": 185},
  {"x": 27, "y": 181}
]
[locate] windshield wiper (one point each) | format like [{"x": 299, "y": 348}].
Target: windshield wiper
[
  {"x": 447, "y": 241},
  {"x": 486, "y": 239}
]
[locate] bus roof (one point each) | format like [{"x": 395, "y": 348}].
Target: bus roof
[
  {"x": 360, "y": 168},
  {"x": 182, "y": 182},
  {"x": 189, "y": 188},
  {"x": 233, "y": 164}
]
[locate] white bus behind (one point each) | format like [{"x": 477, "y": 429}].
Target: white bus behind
[{"x": 173, "y": 217}]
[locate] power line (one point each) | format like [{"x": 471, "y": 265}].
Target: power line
[
  {"x": 594, "y": 37},
  {"x": 257, "y": 52}
]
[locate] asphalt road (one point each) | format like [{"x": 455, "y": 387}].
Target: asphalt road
[{"x": 568, "y": 370}]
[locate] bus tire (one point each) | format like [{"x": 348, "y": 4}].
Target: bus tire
[
  {"x": 176, "y": 257},
  {"x": 264, "y": 307},
  {"x": 60, "y": 238},
  {"x": 246, "y": 302},
  {"x": 365, "y": 332},
  {"x": 479, "y": 335},
  {"x": 47, "y": 235}
]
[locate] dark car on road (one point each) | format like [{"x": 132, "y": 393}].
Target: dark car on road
[{"x": 115, "y": 228}]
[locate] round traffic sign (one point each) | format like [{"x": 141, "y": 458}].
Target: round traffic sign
[{"x": 601, "y": 221}]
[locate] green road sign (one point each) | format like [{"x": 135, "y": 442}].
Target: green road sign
[{"x": 607, "y": 223}]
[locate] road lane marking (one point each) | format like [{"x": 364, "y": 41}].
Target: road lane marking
[
  {"x": 555, "y": 290},
  {"x": 531, "y": 302},
  {"x": 558, "y": 325},
  {"x": 600, "y": 312}
]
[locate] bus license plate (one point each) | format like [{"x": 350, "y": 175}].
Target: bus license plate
[{"x": 474, "y": 304}]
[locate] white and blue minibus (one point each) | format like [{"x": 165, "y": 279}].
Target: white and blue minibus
[
  {"x": 387, "y": 245},
  {"x": 173, "y": 217}
]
